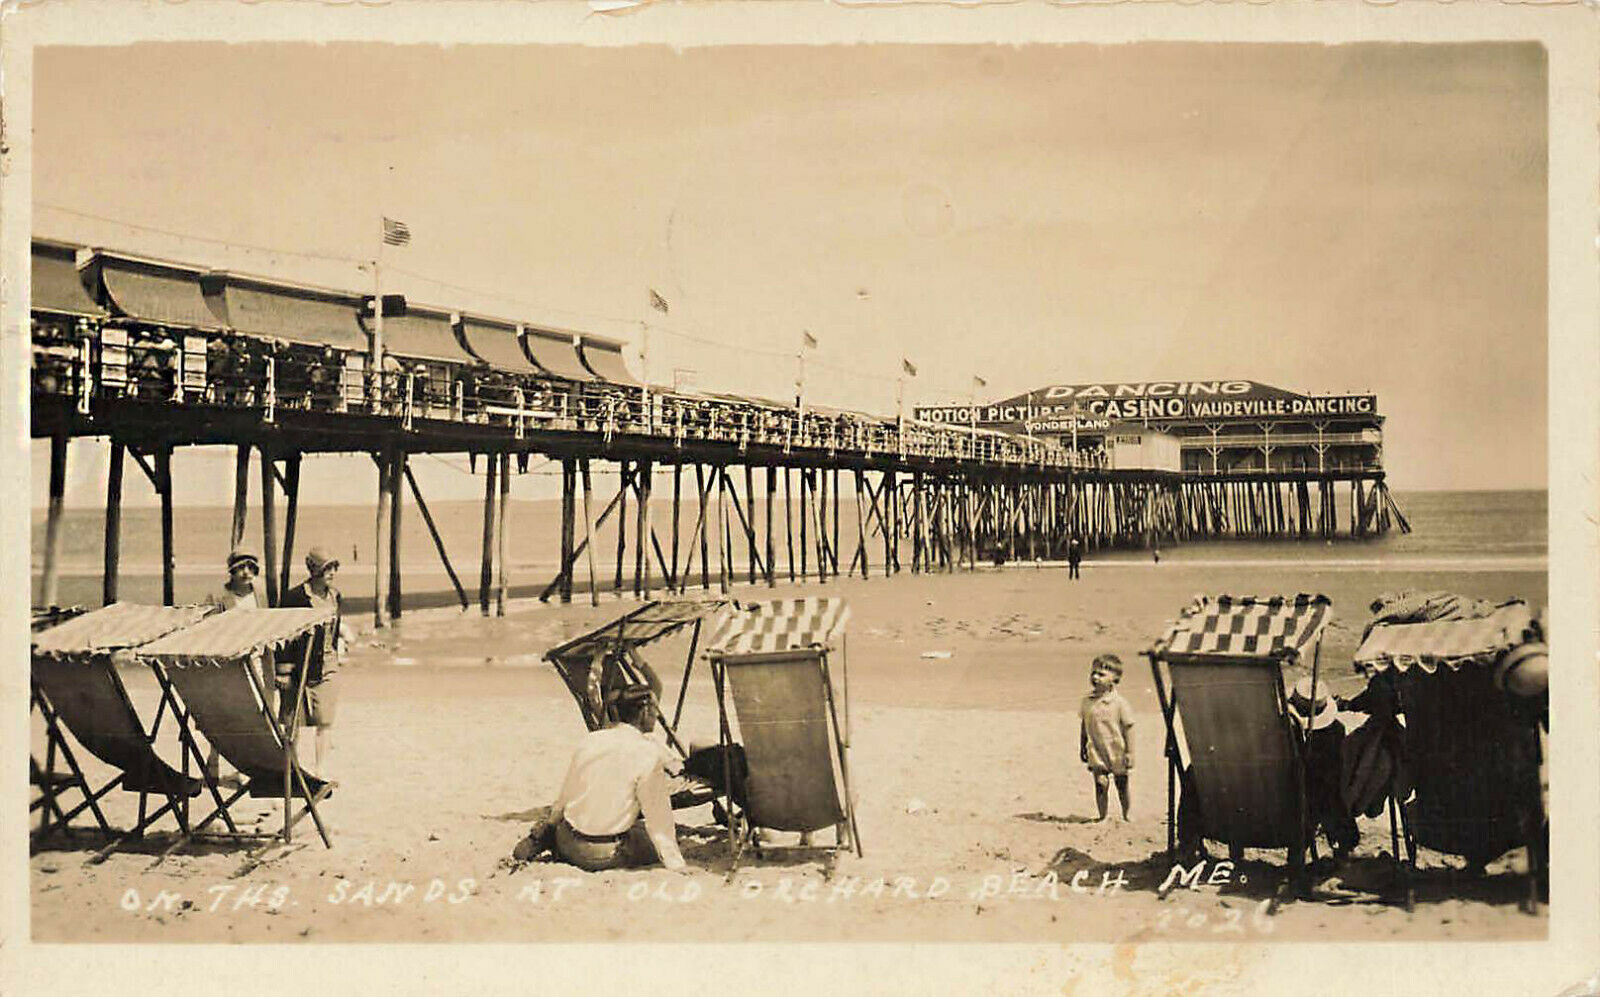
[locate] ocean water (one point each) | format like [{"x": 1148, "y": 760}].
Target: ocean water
[{"x": 1491, "y": 529}]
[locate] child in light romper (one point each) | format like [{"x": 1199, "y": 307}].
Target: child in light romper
[{"x": 1104, "y": 743}]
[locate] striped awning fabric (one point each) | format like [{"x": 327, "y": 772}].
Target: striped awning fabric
[
  {"x": 779, "y": 625},
  {"x": 1452, "y": 643},
  {"x": 1248, "y": 626},
  {"x": 642, "y": 626},
  {"x": 237, "y": 633},
  {"x": 114, "y": 627}
]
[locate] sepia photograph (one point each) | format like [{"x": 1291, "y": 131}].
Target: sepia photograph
[{"x": 622, "y": 486}]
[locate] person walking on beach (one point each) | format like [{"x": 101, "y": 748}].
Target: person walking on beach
[
  {"x": 1074, "y": 555},
  {"x": 1105, "y": 722},
  {"x": 317, "y": 671},
  {"x": 614, "y": 810},
  {"x": 238, "y": 592}
]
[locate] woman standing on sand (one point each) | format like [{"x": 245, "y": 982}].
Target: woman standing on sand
[{"x": 316, "y": 671}]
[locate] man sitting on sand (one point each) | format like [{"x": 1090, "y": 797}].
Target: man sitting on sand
[{"x": 614, "y": 810}]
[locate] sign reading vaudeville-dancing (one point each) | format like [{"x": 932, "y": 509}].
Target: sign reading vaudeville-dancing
[{"x": 1153, "y": 401}]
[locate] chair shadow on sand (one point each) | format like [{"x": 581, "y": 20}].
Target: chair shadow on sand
[{"x": 1040, "y": 817}]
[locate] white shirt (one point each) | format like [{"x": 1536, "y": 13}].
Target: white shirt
[{"x": 617, "y": 775}]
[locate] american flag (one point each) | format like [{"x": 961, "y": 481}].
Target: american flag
[
  {"x": 807, "y": 339},
  {"x": 978, "y": 382},
  {"x": 908, "y": 367},
  {"x": 658, "y": 302},
  {"x": 395, "y": 233}
]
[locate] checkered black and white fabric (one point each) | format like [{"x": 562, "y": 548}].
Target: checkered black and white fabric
[
  {"x": 778, "y": 625},
  {"x": 1249, "y": 626}
]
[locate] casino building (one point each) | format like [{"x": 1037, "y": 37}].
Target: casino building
[{"x": 1207, "y": 428}]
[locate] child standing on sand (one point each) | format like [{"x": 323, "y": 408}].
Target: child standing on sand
[{"x": 1105, "y": 721}]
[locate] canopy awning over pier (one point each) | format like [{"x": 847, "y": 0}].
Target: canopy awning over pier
[
  {"x": 556, "y": 352},
  {"x": 604, "y": 357},
  {"x": 305, "y": 315},
  {"x": 58, "y": 286},
  {"x": 424, "y": 334},
  {"x": 495, "y": 342},
  {"x": 158, "y": 293}
]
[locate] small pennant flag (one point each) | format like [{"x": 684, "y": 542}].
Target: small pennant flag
[
  {"x": 808, "y": 340},
  {"x": 908, "y": 367},
  {"x": 978, "y": 382},
  {"x": 658, "y": 302},
  {"x": 395, "y": 233}
]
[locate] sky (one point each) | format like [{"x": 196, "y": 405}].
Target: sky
[{"x": 1324, "y": 219}]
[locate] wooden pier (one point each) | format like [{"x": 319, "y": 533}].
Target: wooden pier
[{"x": 156, "y": 357}]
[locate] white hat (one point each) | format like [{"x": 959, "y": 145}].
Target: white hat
[{"x": 1304, "y": 699}]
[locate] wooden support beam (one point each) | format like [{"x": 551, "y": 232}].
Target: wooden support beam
[
  {"x": 589, "y": 532},
  {"x": 623, "y": 480},
  {"x": 291, "y": 515},
  {"x": 569, "y": 501},
  {"x": 438, "y": 541},
  {"x": 397, "y": 461},
  {"x": 643, "y": 480},
  {"x": 723, "y": 552},
  {"x": 772, "y": 488},
  {"x": 50, "y": 584},
  {"x": 241, "y": 493},
  {"x": 578, "y": 552},
  {"x": 788, "y": 519},
  {"x": 269, "y": 528},
  {"x": 706, "y": 524},
  {"x": 164, "y": 486},
  {"x": 833, "y": 546},
  {"x": 491, "y": 474},
  {"x": 749, "y": 521},
  {"x": 805, "y": 515},
  {"x": 502, "y": 554},
  {"x": 861, "y": 527},
  {"x": 677, "y": 512},
  {"x": 113, "y": 532},
  {"x": 380, "y": 543}
]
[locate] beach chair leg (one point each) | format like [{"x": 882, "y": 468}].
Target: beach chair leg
[
  {"x": 310, "y": 807},
  {"x": 53, "y": 723}
]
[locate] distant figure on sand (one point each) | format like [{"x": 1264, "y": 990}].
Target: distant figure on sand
[
  {"x": 1155, "y": 554},
  {"x": 1105, "y": 722},
  {"x": 614, "y": 810},
  {"x": 238, "y": 592},
  {"x": 319, "y": 671},
  {"x": 1074, "y": 555}
]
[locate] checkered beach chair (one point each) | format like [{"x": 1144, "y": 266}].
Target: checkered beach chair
[
  {"x": 1231, "y": 743},
  {"x": 1471, "y": 752},
  {"x": 773, "y": 660}
]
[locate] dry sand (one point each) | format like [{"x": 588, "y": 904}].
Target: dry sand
[{"x": 965, "y": 767}]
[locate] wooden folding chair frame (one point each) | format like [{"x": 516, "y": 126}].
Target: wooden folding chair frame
[
  {"x": 176, "y": 803},
  {"x": 1297, "y": 852},
  {"x": 741, "y": 829},
  {"x": 293, "y": 773},
  {"x": 628, "y": 659}
]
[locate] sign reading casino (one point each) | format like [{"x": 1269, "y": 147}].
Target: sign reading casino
[{"x": 1094, "y": 406}]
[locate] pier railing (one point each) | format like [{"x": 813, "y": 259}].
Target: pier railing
[{"x": 93, "y": 362}]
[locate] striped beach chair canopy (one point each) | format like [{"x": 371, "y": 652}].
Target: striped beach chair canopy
[
  {"x": 1452, "y": 643},
  {"x": 642, "y": 626},
  {"x": 113, "y": 628},
  {"x": 1247, "y": 626},
  {"x": 235, "y": 634},
  {"x": 778, "y": 625}
]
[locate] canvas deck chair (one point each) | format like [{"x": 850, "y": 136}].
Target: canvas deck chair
[
  {"x": 1231, "y": 744},
  {"x": 1471, "y": 752},
  {"x": 77, "y": 689},
  {"x": 588, "y": 664},
  {"x": 772, "y": 660},
  {"x": 210, "y": 667}
]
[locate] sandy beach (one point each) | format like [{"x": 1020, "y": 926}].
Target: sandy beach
[{"x": 973, "y": 808}]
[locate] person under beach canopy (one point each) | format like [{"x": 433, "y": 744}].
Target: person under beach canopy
[{"x": 614, "y": 810}]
